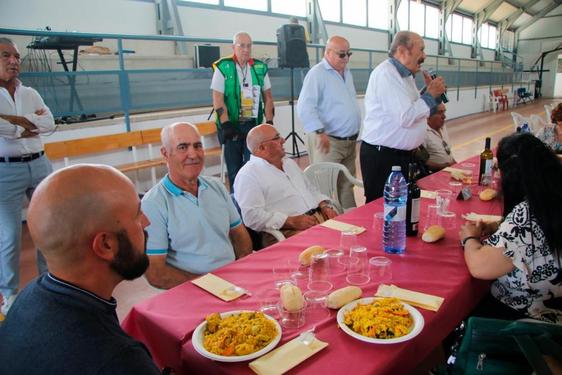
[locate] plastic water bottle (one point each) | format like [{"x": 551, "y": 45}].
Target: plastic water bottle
[{"x": 395, "y": 198}]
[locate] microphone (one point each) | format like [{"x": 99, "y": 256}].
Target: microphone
[{"x": 433, "y": 75}]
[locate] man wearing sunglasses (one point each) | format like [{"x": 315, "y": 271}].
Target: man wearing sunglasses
[
  {"x": 395, "y": 112},
  {"x": 437, "y": 141},
  {"x": 330, "y": 114}
]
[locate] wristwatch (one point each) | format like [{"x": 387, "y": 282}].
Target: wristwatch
[
  {"x": 319, "y": 131},
  {"x": 465, "y": 240}
]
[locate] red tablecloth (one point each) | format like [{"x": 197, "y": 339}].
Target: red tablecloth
[{"x": 166, "y": 322}]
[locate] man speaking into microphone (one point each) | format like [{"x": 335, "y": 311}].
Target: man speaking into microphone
[{"x": 395, "y": 112}]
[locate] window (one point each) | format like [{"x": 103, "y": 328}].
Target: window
[
  {"x": 378, "y": 14},
  {"x": 492, "y": 37},
  {"x": 290, "y": 7},
  {"x": 212, "y": 2},
  {"x": 456, "y": 25},
  {"x": 247, "y": 4},
  {"x": 354, "y": 12},
  {"x": 484, "y": 30},
  {"x": 402, "y": 16},
  {"x": 417, "y": 17},
  {"x": 431, "y": 22},
  {"x": 330, "y": 10},
  {"x": 467, "y": 30}
]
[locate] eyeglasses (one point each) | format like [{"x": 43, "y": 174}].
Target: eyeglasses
[
  {"x": 276, "y": 138},
  {"x": 342, "y": 55},
  {"x": 244, "y": 46}
]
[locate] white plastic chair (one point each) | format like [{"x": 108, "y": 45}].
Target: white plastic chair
[
  {"x": 536, "y": 123},
  {"x": 548, "y": 112},
  {"x": 324, "y": 176},
  {"x": 519, "y": 120}
]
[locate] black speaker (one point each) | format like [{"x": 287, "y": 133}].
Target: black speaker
[{"x": 291, "y": 47}]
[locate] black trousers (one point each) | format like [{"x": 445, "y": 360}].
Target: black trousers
[{"x": 376, "y": 165}]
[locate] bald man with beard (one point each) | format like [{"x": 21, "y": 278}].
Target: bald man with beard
[
  {"x": 330, "y": 113},
  {"x": 87, "y": 221}
]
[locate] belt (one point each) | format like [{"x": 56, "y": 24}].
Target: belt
[
  {"x": 312, "y": 211},
  {"x": 350, "y": 138},
  {"x": 22, "y": 158},
  {"x": 393, "y": 150}
]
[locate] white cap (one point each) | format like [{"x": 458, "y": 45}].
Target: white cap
[{"x": 396, "y": 168}]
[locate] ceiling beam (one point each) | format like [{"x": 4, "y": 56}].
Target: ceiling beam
[{"x": 536, "y": 17}]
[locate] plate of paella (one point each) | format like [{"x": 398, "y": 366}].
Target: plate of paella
[
  {"x": 236, "y": 336},
  {"x": 380, "y": 320}
]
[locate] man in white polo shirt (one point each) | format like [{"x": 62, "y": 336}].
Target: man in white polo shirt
[
  {"x": 23, "y": 116},
  {"x": 195, "y": 227}
]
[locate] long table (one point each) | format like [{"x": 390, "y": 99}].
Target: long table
[{"x": 166, "y": 322}]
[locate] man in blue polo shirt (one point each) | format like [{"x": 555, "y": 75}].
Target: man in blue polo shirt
[{"x": 195, "y": 227}]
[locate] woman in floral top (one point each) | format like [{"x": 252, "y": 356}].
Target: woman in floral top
[
  {"x": 523, "y": 253},
  {"x": 551, "y": 134}
]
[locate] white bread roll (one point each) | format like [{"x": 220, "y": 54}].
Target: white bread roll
[
  {"x": 291, "y": 297},
  {"x": 343, "y": 296},
  {"x": 306, "y": 256},
  {"x": 433, "y": 234},
  {"x": 487, "y": 194}
]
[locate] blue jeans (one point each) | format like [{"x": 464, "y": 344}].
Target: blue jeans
[{"x": 16, "y": 180}]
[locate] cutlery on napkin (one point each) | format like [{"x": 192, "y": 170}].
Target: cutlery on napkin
[
  {"x": 428, "y": 194},
  {"x": 425, "y": 301},
  {"x": 343, "y": 227},
  {"x": 219, "y": 287},
  {"x": 287, "y": 356}
]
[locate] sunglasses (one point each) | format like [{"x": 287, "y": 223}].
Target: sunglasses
[{"x": 342, "y": 55}]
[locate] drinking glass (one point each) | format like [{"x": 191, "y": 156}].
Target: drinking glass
[
  {"x": 281, "y": 274},
  {"x": 347, "y": 241},
  {"x": 378, "y": 225},
  {"x": 319, "y": 273},
  {"x": 269, "y": 302},
  {"x": 316, "y": 309},
  {"x": 292, "y": 319},
  {"x": 449, "y": 221},
  {"x": 432, "y": 217},
  {"x": 442, "y": 200},
  {"x": 335, "y": 260},
  {"x": 296, "y": 269},
  {"x": 380, "y": 270},
  {"x": 358, "y": 269},
  {"x": 455, "y": 187}
]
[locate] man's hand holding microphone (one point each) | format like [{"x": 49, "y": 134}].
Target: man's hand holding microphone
[{"x": 435, "y": 85}]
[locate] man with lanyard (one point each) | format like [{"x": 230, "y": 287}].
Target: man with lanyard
[
  {"x": 436, "y": 142},
  {"x": 395, "y": 113},
  {"x": 241, "y": 95},
  {"x": 330, "y": 114},
  {"x": 23, "y": 116}
]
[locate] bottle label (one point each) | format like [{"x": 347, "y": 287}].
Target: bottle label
[
  {"x": 415, "y": 214},
  {"x": 488, "y": 167},
  {"x": 393, "y": 213}
]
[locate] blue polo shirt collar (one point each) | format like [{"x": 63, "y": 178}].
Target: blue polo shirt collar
[
  {"x": 404, "y": 72},
  {"x": 177, "y": 191}
]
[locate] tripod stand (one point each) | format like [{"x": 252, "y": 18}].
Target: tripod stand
[{"x": 293, "y": 134}]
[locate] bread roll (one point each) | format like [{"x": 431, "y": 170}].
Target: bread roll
[
  {"x": 487, "y": 194},
  {"x": 291, "y": 297},
  {"x": 433, "y": 233},
  {"x": 343, "y": 296},
  {"x": 306, "y": 256}
]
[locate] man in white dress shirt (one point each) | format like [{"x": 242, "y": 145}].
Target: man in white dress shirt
[
  {"x": 23, "y": 116},
  {"x": 395, "y": 113},
  {"x": 273, "y": 192}
]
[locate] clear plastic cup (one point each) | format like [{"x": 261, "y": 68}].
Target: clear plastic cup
[
  {"x": 292, "y": 319},
  {"x": 449, "y": 221},
  {"x": 455, "y": 187},
  {"x": 296, "y": 269},
  {"x": 347, "y": 241},
  {"x": 316, "y": 309},
  {"x": 431, "y": 217},
  {"x": 380, "y": 270},
  {"x": 358, "y": 269},
  {"x": 378, "y": 225},
  {"x": 442, "y": 200},
  {"x": 319, "y": 273},
  {"x": 269, "y": 302},
  {"x": 281, "y": 274},
  {"x": 336, "y": 264}
]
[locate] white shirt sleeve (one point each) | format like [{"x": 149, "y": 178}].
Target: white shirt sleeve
[
  {"x": 217, "y": 83},
  {"x": 307, "y": 105}
]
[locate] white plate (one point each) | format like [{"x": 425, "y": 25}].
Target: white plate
[
  {"x": 197, "y": 341},
  {"x": 418, "y": 323}
]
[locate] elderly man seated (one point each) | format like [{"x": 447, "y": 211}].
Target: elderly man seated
[
  {"x": 436, "y": 142},
  {"x": 273, "y": 192},
  {"x": 195, "y": 227}
]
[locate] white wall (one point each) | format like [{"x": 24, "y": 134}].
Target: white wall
[{"x": 558, "y": 81}]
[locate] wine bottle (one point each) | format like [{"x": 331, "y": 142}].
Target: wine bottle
[
  {"x": 413, "y": 202},
  {"x": 486, "y": 163}
]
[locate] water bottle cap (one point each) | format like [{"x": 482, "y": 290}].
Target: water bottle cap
[{"x": 396, "y": 168}]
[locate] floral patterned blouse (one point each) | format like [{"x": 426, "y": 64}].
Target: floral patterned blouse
[
  {"x": 537, "y": 277},
  {"x": 549, "y": 136}
]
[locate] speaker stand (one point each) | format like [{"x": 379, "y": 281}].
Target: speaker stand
[{"x": 293, "y": 134}]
